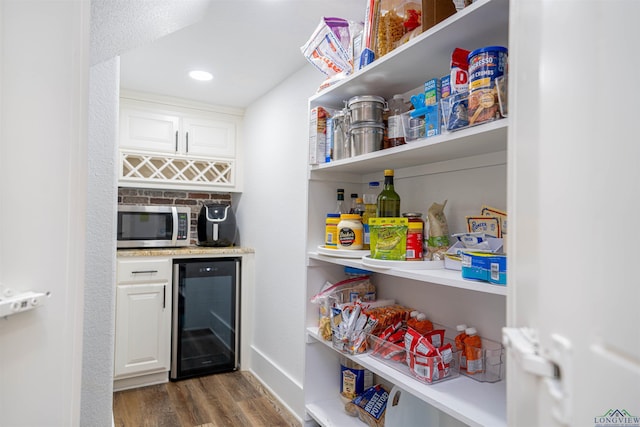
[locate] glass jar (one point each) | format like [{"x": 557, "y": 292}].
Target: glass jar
[{"x": 415, "y": 236}]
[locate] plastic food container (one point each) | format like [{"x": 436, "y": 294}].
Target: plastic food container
[
  {"x": 491, "y": 357},
  {"x": 455, "y": 115},
  {"x": 413, "y": 127},
  {"x": 366, "y": 138},
  {"x": 366, "y": 108},
  {"x": 485, "y": 66},
  {"x": 396, "y": 357}
]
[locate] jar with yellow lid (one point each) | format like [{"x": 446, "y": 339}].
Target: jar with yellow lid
[{"x": 331, "y": 231}]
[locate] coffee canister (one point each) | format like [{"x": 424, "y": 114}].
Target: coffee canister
[
  {"x": 366, "y": 108},
  {"x": 340, "y": 131},
  {"x": 366, "y": 138}
]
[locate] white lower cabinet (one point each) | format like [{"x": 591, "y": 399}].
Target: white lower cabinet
[{"x": 143, "y": 322}]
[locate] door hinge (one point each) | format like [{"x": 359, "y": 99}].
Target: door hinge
[{"x": 553, "y": 364}]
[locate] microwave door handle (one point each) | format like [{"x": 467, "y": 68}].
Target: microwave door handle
[
  {"x": 174, "y": 234},
  {"x": 215, "y": 231}
]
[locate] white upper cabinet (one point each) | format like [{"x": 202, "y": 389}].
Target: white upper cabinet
[
  {"x": 141, "y": 128},
  {"x": 209, "y": 136},
  {"x": 167, "y": 143},
  {"x": 170, "y": 129}
]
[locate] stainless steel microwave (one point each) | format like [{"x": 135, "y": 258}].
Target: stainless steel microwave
[{"x": 153, "y": 226}]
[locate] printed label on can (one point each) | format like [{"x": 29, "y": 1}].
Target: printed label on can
[{"x": 485, "y": 66}]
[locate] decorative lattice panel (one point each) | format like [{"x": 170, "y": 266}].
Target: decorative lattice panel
[{"x": 140, "y": 167}]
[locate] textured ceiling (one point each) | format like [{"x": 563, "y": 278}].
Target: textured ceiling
[
  {"x": 249, "y": 45},
  {"x": 120, "y": 25}
]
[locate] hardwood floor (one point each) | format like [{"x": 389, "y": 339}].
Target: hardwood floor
[{"x": 234, "y": 399}]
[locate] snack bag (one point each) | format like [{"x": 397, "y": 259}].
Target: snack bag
[
  {"x": 329, "y": 47},
  {"x": 438, "y": 232},
  {"x": 388, "y": 238}
]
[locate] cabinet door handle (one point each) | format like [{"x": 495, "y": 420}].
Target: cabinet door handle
[
  {"x": 164, "y": 296},
  {"x": 144, "y": 272},
  {"x": 187, "y": 142},
  {"x": 176, "y": 141}
]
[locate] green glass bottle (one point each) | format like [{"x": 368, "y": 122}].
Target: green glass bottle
[{"x": 388, "y": 204}]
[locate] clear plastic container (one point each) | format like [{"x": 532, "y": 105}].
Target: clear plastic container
[
  {"x": 412, "y": 127},
  {"x": 396, "y": 356},
  {"x": 398, "y": 21},
  {"x": 490, "y": 357},
  {"x": 395, "y": 128}
]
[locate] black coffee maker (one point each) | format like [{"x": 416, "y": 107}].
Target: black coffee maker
[{"x": 216, "y": 225}]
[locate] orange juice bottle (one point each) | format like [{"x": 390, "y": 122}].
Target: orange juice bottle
[
  {"x": 459, "y": 341},
  {"x": 473, "y": 351}
]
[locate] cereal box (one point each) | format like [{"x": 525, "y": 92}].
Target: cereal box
[{"x": 317, "y": 135}]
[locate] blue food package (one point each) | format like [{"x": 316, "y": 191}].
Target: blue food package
[
  {"x": 486, "y": 267},
  {"x": 455, "y": 111},
  {"x": 445, "y": 86},
  {"x": 372, "y": 403},
  {"x": 432, "y": 91}
]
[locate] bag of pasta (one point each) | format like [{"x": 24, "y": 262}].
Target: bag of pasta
[
  {"x": 397, "y": 21},
  {"x": 437, "y": 232}
]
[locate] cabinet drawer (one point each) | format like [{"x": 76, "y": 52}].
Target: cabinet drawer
[{"x": 140, "y": 270}]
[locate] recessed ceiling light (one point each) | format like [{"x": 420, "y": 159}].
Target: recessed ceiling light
[{"x": 200, "y": 75}]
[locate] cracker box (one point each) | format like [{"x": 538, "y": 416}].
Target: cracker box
[
  {"x": 500, "y": 214},
  {"x": 445, "y": 86},
  {"x": 490, "y": 225},
  {"x": 317, "y": 135},
  {"x": 432, "y": 92}
]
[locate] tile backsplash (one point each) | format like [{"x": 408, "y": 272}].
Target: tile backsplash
[{"x": 192, "y": 199}]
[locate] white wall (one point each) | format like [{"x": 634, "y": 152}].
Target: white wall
[
  {"x": 99, "y": 297},
  {"x": 43, "y": 169},
  {"x": 272, "y": 219}
]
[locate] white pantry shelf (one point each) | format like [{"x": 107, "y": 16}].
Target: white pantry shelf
[
  {"x": 442, "y": 276},
  {"x": 486, "y": 138},
  {"x": 472, "y": 402}
]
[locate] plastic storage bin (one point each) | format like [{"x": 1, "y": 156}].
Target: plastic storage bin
[
  {"x": 491, "y": 356},
  {"x": 436, "y": 369}
]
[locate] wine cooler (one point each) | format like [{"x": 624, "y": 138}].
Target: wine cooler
[{"x": 206, "y": 312}]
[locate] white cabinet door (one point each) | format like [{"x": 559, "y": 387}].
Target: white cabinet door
[
  {"x": 143, "y": 322},
  {"x": 209, "y": 137},
  {"x": 149, "y": 131},
  {"x": 573, "y": 200}
]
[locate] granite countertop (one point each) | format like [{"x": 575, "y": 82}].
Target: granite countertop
[{"x": 184, "y": 251}]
